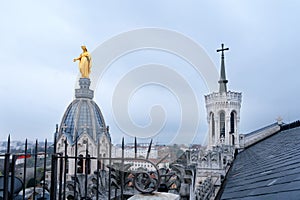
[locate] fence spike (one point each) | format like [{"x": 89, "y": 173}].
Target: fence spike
[
  {"x": 45, "y": 162},
  {"x": 135, "y": 147},
  {"x": 8, "y": 144},
  {"x": 149, "y": 149}
]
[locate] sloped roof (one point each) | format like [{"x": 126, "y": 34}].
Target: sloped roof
[
  {"x": 269, "y": 169},
  {"x": 262, "y": 129}
]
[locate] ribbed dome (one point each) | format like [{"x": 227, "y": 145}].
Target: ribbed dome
[{"x": 83, "y": 115}]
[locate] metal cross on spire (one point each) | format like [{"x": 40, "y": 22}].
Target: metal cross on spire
[
  {"x": 222, "y": 49},
  {"x": 222, "y": 81}
]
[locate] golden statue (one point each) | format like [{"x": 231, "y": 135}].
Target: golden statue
[{"x": 84, "y": 62}]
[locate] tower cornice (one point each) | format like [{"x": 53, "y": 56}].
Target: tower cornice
[{"x": 221, "y": 97}]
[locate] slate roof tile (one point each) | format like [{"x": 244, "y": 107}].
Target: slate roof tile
[{"x": 269, "y": 169}]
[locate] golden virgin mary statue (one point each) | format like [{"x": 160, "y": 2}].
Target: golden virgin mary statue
[{"x": 85, "y": 62}]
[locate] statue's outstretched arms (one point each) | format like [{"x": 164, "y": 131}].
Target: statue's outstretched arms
[{"x": 74, "y": 60}]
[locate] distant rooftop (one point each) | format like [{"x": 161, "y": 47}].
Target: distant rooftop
[{"x": 261, "y": 129}]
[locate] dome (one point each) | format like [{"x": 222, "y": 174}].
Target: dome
[{"x": 83, "y": 115}]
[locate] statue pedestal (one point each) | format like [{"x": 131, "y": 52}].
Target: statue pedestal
[
  {"x": 155, "y": 196},
  {"x": 84, "y": 91}
]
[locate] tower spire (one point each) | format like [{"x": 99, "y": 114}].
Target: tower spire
[{"x": 222, "y": 81}]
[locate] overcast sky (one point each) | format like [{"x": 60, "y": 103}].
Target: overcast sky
[{"x": 39, "y": 39}]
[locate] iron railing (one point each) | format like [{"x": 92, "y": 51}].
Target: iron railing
[{"x": 26, "y": 174}]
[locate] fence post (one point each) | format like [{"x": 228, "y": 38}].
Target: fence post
[
  {"x": 35, "y": 166},
  {"x": 109, "y": 172},
  {"x": 44, "y": 171},
  {"x": 61, "y": 160},
  {"x": 53, "y": 177},
  {"x": 86, "y": 169},
  {"x": 6, "y": 176},
  {"x": 6, "y": 170},
  {"x": 98, "y": 173},
  {"x": 24, "y": 169},
  {"x": 122, "y": 171},
  {"x": 65, "y": 168},
  {"x": 12, "y": 176}
]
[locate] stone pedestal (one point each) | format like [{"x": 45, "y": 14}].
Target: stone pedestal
[
  {"x": 84, "y": 91},
  {"x": 155, "y": 196}
]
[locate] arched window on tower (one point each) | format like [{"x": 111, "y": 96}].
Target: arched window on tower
[
  {"x": 212, "y": 119},
  {"x": 232, "y": 126},
  {"x": 222, "y": 124},
  {"x": 232, "y": 122}
]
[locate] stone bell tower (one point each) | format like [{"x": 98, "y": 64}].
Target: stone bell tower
[{"x": 223, "y": 112}]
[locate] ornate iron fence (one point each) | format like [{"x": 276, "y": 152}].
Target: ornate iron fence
[{"x": 39, "y": 172}]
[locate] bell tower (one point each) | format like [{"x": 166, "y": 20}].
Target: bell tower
[{"x": 223, "y": 111}]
